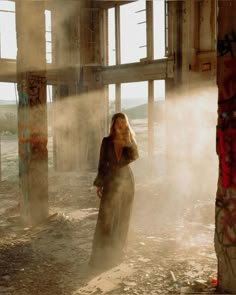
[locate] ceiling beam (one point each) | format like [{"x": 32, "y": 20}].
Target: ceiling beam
[
  {"x": 133, "y": 72},
  {"x": 136, "y": 72},
  {"x": 110, "y": 4}
]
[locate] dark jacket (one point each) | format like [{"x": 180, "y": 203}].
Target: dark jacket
[{"x": 109, "y": 167}]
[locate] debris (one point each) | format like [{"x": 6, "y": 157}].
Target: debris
[
  {"x": 186, "y": 290},
  {"x": 201, "y": 282},
  {"x": 129, "y": 283},
  {"x": 60, "y": 248},
  {"x": 173, "y": 276},
  {"x": 6, "y": 277},
  {"x": 142, "y": 259},
  {"x": 214, "y": 281}
]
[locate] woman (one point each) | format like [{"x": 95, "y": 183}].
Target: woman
[{"x": 115, "y": 188}]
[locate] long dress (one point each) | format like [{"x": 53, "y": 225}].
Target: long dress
[{"x": 116, "y": 178}]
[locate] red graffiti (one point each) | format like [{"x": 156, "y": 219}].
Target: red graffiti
[
  {"x": 226, "y": 149},
  {"x": 32, "y": 140}
]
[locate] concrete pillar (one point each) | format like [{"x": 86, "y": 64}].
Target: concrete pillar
[
  {"x": 151, "y": 107},
  {"x": 118, "y": 56},
  {"x": 178, "y": 40},
  {"x": 32, "y": 110},
  {"x": 225, "y": 210},
  {"x": 151, "y": 104},
  {"x": 93, "y": 99},
  {"x": 118, "y": 98}
]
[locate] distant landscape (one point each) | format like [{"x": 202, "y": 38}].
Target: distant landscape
[
  {"x": 4, "y": 102},
  {"x": 135, "y": 108},
  {"x": 8, "y": 117}
]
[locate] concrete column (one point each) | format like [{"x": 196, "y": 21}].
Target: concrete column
[
  {"x": 149, "y": 29},
  {"x": 178, "y": 40},
  {"x": 225, "y": 210},
  {"x": 151, "y": 104},
  {"x": 32, "y": 110},
  {"x": 118, "y": 98},
  {"x": 118, "y": 57}
]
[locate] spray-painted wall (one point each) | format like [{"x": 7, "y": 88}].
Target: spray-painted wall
[{"x": 225, "y": 231}]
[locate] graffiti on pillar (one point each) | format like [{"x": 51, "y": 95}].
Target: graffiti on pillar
[
  {"x": 226, "y": 220},
  {"x": 38, "y": 118},
  {"x": 36, "y": 87},
  {"x": 30, "y": 138},
  {"x": 23, "y": 132},
  {"x": 226, "y": 141},
  {"x": 33, "y": 123},
  {"x": 37, "y": 100},
  {"x": 225, "y": 46},
  {"x": 23, "y": 95}
]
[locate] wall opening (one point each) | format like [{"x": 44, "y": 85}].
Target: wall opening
[
  {"x": 133, "y": 39},
  {"x": 8, "y": 43},
  {"x": 160, "y": 28},
  {"x": 7, "y": 30},
  {"x": 8, "y": 132},
  {"x": 111, "y": 37},
  {"x": 133, "y": 32},
  {"x": 48, "y": 36}
]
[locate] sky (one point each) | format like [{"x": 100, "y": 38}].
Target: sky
[
  {"x": 133, "y": 42},
  {"x": 8, "y": 44}
]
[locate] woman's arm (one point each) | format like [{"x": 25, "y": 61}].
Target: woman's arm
[
  {"x": 102, "y": 166},
  {"x": 132, "y": 151}
]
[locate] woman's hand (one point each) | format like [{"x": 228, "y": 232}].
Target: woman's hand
[
  {"x": 123, "y": 137},
  {"x": 127, "y": 138},
  {"x": 99, "y": 191}
]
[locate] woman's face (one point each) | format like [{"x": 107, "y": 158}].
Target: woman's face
[{"x": 120, "y": 125}]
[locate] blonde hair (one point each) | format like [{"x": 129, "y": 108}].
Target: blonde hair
[{"x": 113, "y": 122}]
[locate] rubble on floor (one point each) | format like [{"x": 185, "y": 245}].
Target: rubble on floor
[{"x": 52, "y": 258}]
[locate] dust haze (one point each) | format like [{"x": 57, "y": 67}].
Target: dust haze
[
  {"x": 77, "y": 125},
  {"x": 182, "y": 189},
  {"x": 173, "y": 206},
  {"x": 172, "y": 223},
  {"x": 185, "y": 165}
]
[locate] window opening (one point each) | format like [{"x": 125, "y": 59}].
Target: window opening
[
  {"x": 159, "y": 90},
  {"x": 111, "y": 98},
  {"x": 133, "y": 32},
  {"x": 48, "y": 36},
  {"x": 111, "y": 37},
  {"x": 160, "y": 28},
  {"x": 7, "y": 30}
]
